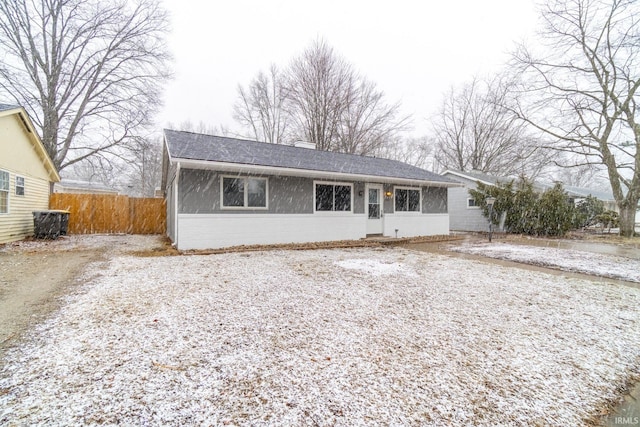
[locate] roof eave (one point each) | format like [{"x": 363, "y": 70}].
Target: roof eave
[
  {"x": 306, "y": 173},
  {"x": 54, "y": 176},
  {"x": 469, "y": 177}
]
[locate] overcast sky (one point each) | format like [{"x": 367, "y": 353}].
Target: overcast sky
[{"x": 413, "y": 50}]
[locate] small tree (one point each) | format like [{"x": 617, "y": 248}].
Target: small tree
[
  {"x": 608, "y": 219},
  {"x": 587, "y": 210},
  {"x": 554, "y": 213}
]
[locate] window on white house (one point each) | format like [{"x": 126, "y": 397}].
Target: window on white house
[
  {"x": 471, "y": 203},
  {"x": 244, "y": 192},
  {"x": 333, "y": 197},
  {"x": 407, "y": 200},
  {"x": 4, "y": 192},
  {"x": 19, "y": 186}
]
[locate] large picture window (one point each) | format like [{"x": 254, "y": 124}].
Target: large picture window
[
  {"x": 243, "y": 192},
  {"x": 407, "y": 200},
  {"x": 4, "y": 192},
  {"x": 333, "y": 197}
]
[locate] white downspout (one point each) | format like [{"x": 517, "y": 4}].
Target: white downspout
[{"x": 176, "y": 203}]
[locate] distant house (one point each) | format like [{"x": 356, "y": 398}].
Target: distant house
[
  {"x": 580, "y": 193},
  {"x": 82, "y": 187},
  {"x": 26, "y": 174},
  {"x": 464, "y": 214},
  {"x": 225, "y": 192}
]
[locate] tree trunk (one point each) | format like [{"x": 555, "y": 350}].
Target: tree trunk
[{"x": 628, "y": 218}]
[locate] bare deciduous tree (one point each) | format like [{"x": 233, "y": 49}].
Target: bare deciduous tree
[
  {"x": 89, "y": 72},
  {"x": 582, "y": 89},
  {"x": 317, "y": 81},
  {"x": 318, "y": 99},
  {"x": 474, "y": 131},
  {"x": 261, "y": 107},
  {"x": 414, "y": 151},
  {"x": 367, "y": 122},
  {"x": 145, "y": 171},
  {"x": 201, "y": 127}
]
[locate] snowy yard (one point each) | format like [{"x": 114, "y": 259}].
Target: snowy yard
[
  {"x": 615, "y": 267},
  {"x": 325, "y": 337}
]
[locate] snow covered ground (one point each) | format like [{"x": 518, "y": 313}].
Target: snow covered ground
[
  {"x": 324, "y": 337},
  {"x": 115, "y": 243},
  {"x": 615, "y": 267}
]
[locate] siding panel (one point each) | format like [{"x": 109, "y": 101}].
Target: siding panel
[{"x": 18, "y": 223}]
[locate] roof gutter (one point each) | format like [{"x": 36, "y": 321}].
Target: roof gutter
[
  {"x": 470, "y": 178},
  {"x": 307, "y": 173}
]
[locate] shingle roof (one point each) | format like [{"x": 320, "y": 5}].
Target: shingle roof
[{"x": 193, "y": 146}]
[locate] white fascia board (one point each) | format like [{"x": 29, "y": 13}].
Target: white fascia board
[
  {"x": 280, "y": 171},
  {"x": 165, "y": 143},
  {"x": 470, "y": 178}
]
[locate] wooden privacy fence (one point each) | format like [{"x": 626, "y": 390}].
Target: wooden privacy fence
[{"x": 107, "y": 213}]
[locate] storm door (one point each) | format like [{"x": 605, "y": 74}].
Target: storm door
[{"x": 374, "y": 203}]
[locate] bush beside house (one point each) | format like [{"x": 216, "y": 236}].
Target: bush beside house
[{"x": 527, "y": 211}]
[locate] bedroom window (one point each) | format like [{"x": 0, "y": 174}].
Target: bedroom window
[
  {"x": 333, "y": 197},
  {"x": 4, "y": 192},
  {"x": 19, "y": 186},
  {"x": 407, "y": 200},
  {"x": 243, "y": 192}
]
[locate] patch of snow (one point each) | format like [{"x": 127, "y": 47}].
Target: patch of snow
[
  {"x": 615, "y": 267},
  {"x": 375, "y": 267},
  {"x": 323, "y": 337}
]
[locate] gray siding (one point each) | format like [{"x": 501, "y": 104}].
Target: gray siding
[
  {"x": 200, "y": 193},
  {"x": 461, "y": 217},
  {"x": 290, "y": 195},
  {"x": 358, "y": 200}
]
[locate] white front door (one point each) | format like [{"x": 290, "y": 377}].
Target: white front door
[{"x": 374, "y": 204}]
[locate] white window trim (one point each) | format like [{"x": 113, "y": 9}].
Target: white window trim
[
  {"x": 471, "y": 207},
  {"x": 334, "y": 183},
  {"x": 8, "y": 190},
  {"x": 397, "y": 212},
  {"x": 24, "y": 186},
  {"x": 246, "y": 206}
]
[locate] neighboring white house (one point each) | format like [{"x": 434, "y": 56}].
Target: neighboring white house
[
  {"x": 464, "y": 215},
  {"x": 26, "y": 174},
  {"x": 226, "y": 192}
]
